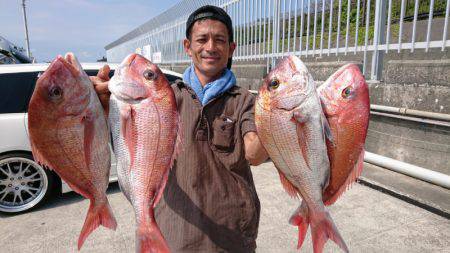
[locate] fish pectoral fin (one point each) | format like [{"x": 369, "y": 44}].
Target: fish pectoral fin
[
  {"x": 327, "y": 129},
  {"x": 89, "y": 132},
  {"x": 127, "y": 119},
  {"x": 303, "y": 142}
]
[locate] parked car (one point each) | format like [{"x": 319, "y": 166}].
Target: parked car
[{"x": 24, "y": 184}]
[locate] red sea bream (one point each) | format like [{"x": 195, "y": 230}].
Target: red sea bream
[{"x": 145, "y": 123}]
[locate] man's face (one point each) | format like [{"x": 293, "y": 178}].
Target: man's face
[{"x": 209, "y": 46}]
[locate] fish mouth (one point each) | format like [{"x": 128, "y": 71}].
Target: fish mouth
[
  {"x": 133, "y": 59},
  {"x": 127, "y": 99},
  {"x": 129, "y": 60},
  {"x": 57, "y": 65},
  {"x": 285, "y": 104},
  {"x": 289, "y": 103},
  {"x": 296, "y": 64},
  {"x": 73, "y": 62},
  {"x": 129, "y": 92}
]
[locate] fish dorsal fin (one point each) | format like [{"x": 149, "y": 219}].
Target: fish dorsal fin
[
  {"x": 38, "y": 157},
  {"x": 177, "y": 149},
  {"x": 160, "y": 190},
  {"x": 352, "y": 177},
  {"x": 178, "y": 142},
  {"x": 288, "y": 187}
]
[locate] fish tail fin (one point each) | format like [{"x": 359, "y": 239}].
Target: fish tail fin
[
  {"x": 300, "y": 218},
  {"x": 322, "y": 229},
  {"x": 96, "y": 216},
  {"x": 150, "y": 240}
]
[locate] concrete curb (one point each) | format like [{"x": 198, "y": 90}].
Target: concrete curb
[{"x": 411, "y": 199}]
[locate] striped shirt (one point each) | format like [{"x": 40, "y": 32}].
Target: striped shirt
[{"x": 210, "y": 202}]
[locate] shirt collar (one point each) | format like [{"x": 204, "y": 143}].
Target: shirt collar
[{"x": 233, "y": 91}]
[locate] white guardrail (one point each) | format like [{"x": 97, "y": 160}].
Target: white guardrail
[
  {"x": 269, "y": 29},
  {"x": 430, "y": 176}
]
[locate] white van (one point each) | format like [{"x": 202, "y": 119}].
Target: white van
[{"x": 23, "y": 183}]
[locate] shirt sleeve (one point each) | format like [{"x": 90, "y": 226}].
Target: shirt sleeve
[{"x": 248, "y": 115}]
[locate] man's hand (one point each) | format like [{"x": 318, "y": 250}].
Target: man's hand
[
  {"x": 101, "y": 87},
  {"x": 255, "y": 153}
]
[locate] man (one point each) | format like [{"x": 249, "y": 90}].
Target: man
[{"x": 210, "y": 202}]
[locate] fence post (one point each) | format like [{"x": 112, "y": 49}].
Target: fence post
[
  {"x": 379, "y": 37},
  {"x": 276, "y": 30}
]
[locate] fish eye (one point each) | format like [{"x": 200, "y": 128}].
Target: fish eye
[
  {"x": 149, "y": 75},
  {"x": 274, "y": 83},
  {"x": 346, "y": 92},
  {"x": 55, "y": 92}
]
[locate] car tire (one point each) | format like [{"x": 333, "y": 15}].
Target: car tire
[{"x": 24, "y": 184}]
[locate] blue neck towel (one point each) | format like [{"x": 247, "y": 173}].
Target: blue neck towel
[{"x": 212, "y": 89}]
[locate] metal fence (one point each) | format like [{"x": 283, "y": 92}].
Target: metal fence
[{"x": 265, "y": 30}]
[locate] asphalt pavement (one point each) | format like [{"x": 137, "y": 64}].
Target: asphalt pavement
[{"x": 368, "y": 220}]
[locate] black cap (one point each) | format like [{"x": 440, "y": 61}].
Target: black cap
[{"x": 211, "y": 12}]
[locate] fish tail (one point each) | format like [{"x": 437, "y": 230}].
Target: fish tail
[
  {"x": 96, "y": 216},
  {"x": 322, "y": 229},
  {"x": 300, "y": 218},
  {"x": 150, "y": 240}
]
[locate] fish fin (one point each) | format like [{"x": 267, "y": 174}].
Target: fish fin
[
  {"x": 178, "y": 142},
  {"x": 78, "y": 190},
  {"x": 327, "y": 129},
  {"x": 325, "y": 124},
  {"x": 302, "y": 141},
  {"x": 322, "y": 229},
  {"x": 97, "y": 215},
  {"x": 127, "y": 125},
  {"x": 288, "y": 187},
  {"x": 38, "y": 157},
  {"x": 160, "y": 190},
  {"x": 351, "y": 178},
  {"x": 300, "y": 218},
  {"x": 298, "y": 117},
  {"x": 150, "y": 239},
  {"x": 88, "y": 123},
  {"x": 177, "y": 149}
]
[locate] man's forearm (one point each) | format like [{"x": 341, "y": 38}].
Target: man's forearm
[{"x": 254, "y": 150}]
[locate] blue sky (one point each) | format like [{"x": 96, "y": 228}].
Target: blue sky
[{"x": 81, "y": 26}]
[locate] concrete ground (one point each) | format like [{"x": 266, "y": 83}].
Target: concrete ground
[{"x": 369, "y": 221}]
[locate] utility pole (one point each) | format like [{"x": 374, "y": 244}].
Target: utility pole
[{"x": 26, "y": 29}]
